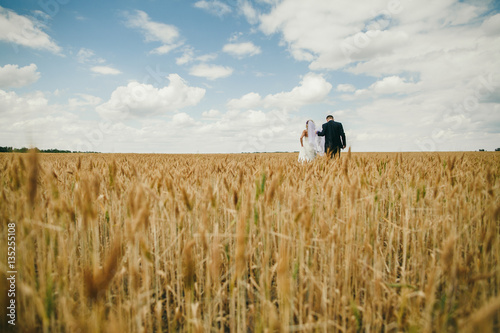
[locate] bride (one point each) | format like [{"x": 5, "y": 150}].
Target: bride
[{"x": 310, "y": 145}]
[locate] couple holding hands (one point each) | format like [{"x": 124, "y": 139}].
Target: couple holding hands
[{"x": 332, "y": 137}]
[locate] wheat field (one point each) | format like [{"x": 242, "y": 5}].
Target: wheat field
[{"x": 370, "y": 242}]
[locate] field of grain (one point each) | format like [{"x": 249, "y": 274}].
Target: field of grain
[{"x": 371, "y": 242}]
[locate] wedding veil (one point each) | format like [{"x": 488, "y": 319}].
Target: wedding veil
[
  {"x": 311, "y": 132},
  {"x": 316, "y": 141}
]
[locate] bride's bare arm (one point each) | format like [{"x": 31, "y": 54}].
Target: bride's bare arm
[{"x": 303, "y": 135}]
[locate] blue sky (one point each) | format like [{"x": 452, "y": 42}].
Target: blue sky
[{"x": 229, "y": 76}]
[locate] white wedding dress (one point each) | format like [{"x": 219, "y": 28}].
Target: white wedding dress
[
  {"x": 313, "y": 144},
  {"x": 307, "y": 152}
]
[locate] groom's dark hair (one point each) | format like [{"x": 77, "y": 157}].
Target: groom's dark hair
[{"x": 329, "y": 116}]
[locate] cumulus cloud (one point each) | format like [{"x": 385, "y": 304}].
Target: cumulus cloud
[
  {"x": 403, "y": 124},
  {"x": 25, "y": 31},
  {"x": 248, "y": 11},
  {"x": 188, "y": 56},
  {"x": 241, "y": 49},
  {"x": 418, "y": 76},
  {"x": 11, "y": 76},
  {"x": 390, "y": 85},
  {"x": 105, "y": 70},
  {"x": 335, "y": 35},
  {"x": 138, "y": 99},
  {"x": 212, "y": 113},
  {"x": 83, "y": 100},
  {"x": 207, "y": 57},
  {"x": 213, "y": 7},
  {"x": 307, "y": 34},
  {"x": 312, "y": 89},
  {"x": 211, "y": 72},
  {"x": 182, "y": 119},
  {"x": 164, "y": 49},
  {"x": 31, "y": 120},
  {"x": 13, "y": 104},
  {"x": 428, "y": 57},
  {"x": 47, "y": 126},
  {"x": 491, "y": 26},
  {"x": 247, "y": 101},
  {"x": 393, "y": 85},
  {"x": 168, "y": 35},
  {"x": 332, "y": 35},
  {"x": 345, "y": 87}
]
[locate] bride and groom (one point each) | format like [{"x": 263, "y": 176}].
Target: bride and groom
[{"x": 331, "y": 139}]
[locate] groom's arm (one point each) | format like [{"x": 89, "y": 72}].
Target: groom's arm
[
  {"x": 322, "y": 133},
  {"x": 342, "y": 135}
]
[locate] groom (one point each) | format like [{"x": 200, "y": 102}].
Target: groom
[{"x": 334, "y": 136}]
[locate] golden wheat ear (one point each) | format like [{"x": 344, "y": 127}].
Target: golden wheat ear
[
  {"x": 96, "y": 282},
  {"x": 32, "y": 177},
  {"x": 188, "y": 265}
]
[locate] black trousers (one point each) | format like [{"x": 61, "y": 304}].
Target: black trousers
[{"x": 332, "y": 151}]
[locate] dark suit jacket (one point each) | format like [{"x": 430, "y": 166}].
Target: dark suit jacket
[{"x": 334, "y": 134}]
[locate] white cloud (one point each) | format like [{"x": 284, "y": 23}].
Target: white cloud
[
  {"x": 61, "y": 131},
  {"x": 332, "y": 35},
  {"x": 24, "y": 31},
  {"x": 22, "y": 106},
  {"x": 386, "y": 86},
  {"x": 30, "y": 119},
  {"x": 410, "y": 125},
  {"x": 137, "y": 99},
  {"x": 250, "y": 131},
  {"x": 88, "y": 57},
  {"x": 211, "y": 72},
  {"x": 429, "y": 59},
  {"x": 186, "y": 57},
  {"x": 207, "y": 57},
  {"x": 248, "y": 11},
  {"x": 312, "y": 89},
  {"x": 105, "y": 70},
  {"x": 393, "y": 85},
  {"x": 316, "y": 30},
  {"x": 424, "y": 76},
  {"x": 182, "y": 119},
  {"x": 83, "y": 100},
  {"x": 11, "y": 76},
  {"x": 345, "y": 87},
  {"x": 235, "y": 36},
  {"x": 164, "y": 49},
  {"x": 213, "y": 7},
  {"x": 85, "y": 56},
  {"x": 212, "y": 113},
  {"x": 269, "y": 2},
  {"x": 153, "y": 31},
  {"x": 492, "y": 25},
  {"x": 241, "y": 49},
  {"x": 247, "y": 101},
  {"x": 363, "y": 46}
]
